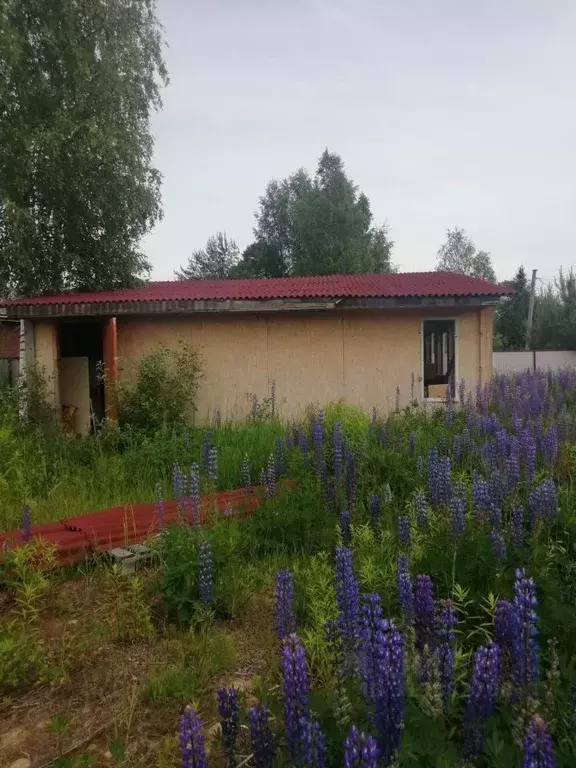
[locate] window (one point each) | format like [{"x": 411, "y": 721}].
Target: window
[
  {"x": 9, "y": 369},
  {"x": 439, "y": 357}
]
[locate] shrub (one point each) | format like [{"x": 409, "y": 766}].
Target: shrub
[{"x": 162, "y": 392}]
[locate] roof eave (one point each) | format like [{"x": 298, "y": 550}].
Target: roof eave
[{"x": 185, "y": 306}]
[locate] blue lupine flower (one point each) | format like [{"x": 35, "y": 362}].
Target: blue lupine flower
[
  {"x": 503, "y": 623},
  {"x": 446, "y": 623},
  {"x": 178, "y": 482},
  {"x": 228, "y": 509},
  {"x": 212, "y": 467},
  {"x": 456, "y": 448},
  {"x": 528, "y": 450},
  {"x": 205, "y": 574},
  {"x": 542, "y": 502},
  {"x": 283, "y": 604},
  {"x": 405, "y": 590},
  {"x": 550, "y": 445},
  {"x": 482, "y": 694},
  {"x": 246, "y": 476},
  {"x": 381, "y": 668},
  {"x": 279, "y": 457},
  {"x": 457, "y": 509},
  {"x": 347, "y": 599},
  {"x": 337, "y": 450},
  {"x": 313, "y": 744},
  {"x": 525, "y": 653},
  {"x": 345, "y": 533},
  {"x": 26, "y": 524},
  {"x": 271, "y": 477},
  {"x": 517, "y": 526},
  {"x": 261, "y": 739},
  {"x": 350, "y": 479},
  {"x": 192, "y": 740},
  {"x": 403, "y": 526},
  {"x": 195, "y": 494},
  {"x": 295, "y": 689},
  {"x": 374, "y": 510},
  {"x": 480, "y": 497},
  {"x": 498, "y": 545},
  {"x": 439, "y": 486},
  {"x": 229, "y": 721},
  {"x": 360, "y": 751},
  {"x": 424, "y": 610},
  {"x": 411, "y": 443},
  {"x": 538, "y": 748},
  {"x": 421, "y": 511}
]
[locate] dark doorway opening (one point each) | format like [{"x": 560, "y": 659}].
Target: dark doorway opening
[
  {"x": 84, "y": 339},
  {"x": 439, "y": 357}
]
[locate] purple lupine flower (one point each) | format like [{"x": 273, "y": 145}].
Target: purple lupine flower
[
  {"x": 213, "y": 466},
  {"x": 513, "y": 463},
  {"x": 261, "y": 739},
  {"x": 228, "y": 510},
  {"x": 421, "y": 510},
  {"x": 498, "y": 545},
  {"x": 528, "y": 451},
  {"x": 381, "y": 666},
  {"x": 206, "y": 446},
  {"x": 424, "y": 610},
  {"x": 481, "y": 697},
  {"x": 420, "y": 465},
  {"x": 283, "y": 604},
  {"x": 503, "y": 623},
  {"x": 317, "y": 433},
  {"x": 550, "y": 445},
  {"x": 446, "y": 622},
  {"x": 345, "y": 533},
  {"x": 347, "y": 599},
  {"x": 195, "y": 494},
  {"x": 542, "y": 502},
  {"x": 411, "y": 443},
  {"x": 205, "y": 574},
  {"x": 191, "y": 739},
  {"x": 405, "y": 590},
  {"x": 295, "y": 690},
  {"x": 538, "y": 748},
  {"x": 246, "y": 476},
  {"x": 403, "y": 528},
  {"x": 337, "y": 450},
  {"x": 159, "y": 510},
  {"x": 255, "y": 409},
  {"x": 457, "y": 509},
  {"x": 271, "y": 477},
  {"x": 374, "y": 510},
  {"x": 229, "y": 721},
  {"x": 438, "y": 478},
  {"x": 279, "y": 457},
  {"x": 517, "y": 526},
  {"x": 456, "y": 448},
  {"x": 178, "y": 482},
  {"x": 360, "y": 751},
  {"x": 26, "y": 524},
  {"x": 350, "y": 479},
  {"x": 525, "y": 653},
  {"x": 480, "y": 497},
  {"x": 313, "y": 744}
]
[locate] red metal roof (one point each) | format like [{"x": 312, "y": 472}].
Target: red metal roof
[{"x": 400, "y": 285}]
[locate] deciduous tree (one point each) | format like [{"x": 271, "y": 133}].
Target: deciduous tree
[
  {"x": 213, "y": 262},
  {"x": 459, "y": 254}
]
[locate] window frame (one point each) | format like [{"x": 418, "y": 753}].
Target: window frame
[{"x": 437, "y": 319}]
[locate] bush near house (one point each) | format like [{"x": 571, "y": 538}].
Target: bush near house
[{"x": 410, "y": 601}]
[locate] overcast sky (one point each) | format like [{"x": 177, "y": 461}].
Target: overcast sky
[{"x": 445, "y": 112}]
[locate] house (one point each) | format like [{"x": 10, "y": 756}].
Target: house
[{"x": 356, "y": 338}]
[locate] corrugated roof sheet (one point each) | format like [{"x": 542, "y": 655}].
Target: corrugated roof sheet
[{"x": 400, "y": 285}]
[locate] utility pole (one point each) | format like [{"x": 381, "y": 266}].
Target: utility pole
[{"x": 530, "y": 311}]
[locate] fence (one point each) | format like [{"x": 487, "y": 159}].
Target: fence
[{"x": 510, "y": 362}]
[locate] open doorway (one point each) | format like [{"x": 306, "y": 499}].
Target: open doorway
[
  {"x": 80, "y": 374},
  {"x": 439, "y": 352}
]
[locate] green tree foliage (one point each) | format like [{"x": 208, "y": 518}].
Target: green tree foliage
[
  {"x": 78, "y": 82},
  {"x": 555, "y": 314},
  {"x": 511, "y": 315},
  {"x": 213, "y": 262},
  {"x": 459, "y": 254},
  {"x": 316, "y": 225}
]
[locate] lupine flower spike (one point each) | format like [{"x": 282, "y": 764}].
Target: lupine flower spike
[
  {"x": 205, "y": 574},
  {"x": 360, "y": 751},
  {"x": 229, "y": 721},
  {"x": 261, "y": 740},
  {"x": 295, "y": 689},
  {"x": 192, "y": 740},
  {"x": 283, "y": 608},
  {"x": 538, "y": 749}
]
